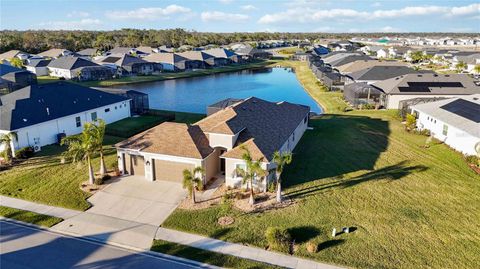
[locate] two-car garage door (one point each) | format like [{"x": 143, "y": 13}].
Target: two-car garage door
[
  {"x": 163, "y": 170},
  {"x": 170, "y": 171}
]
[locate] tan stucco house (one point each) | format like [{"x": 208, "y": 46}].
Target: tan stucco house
[{"x": 214, "y": 143}]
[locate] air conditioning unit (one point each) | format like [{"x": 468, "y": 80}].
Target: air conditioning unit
[{"x": 37, "y": 148}]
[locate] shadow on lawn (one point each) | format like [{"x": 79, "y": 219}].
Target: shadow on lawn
[
  {"x": 303, "y": 233},
  {"x": 338, "y": 144},
  {"x": 392, "y": 172}
]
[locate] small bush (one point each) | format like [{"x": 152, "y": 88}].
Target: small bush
[
  {"x": 278, "y": 239},
  {"x": 225, "y": 206},
  {"x": 272, "y": 186},
  {"x": 472, "y": 159},
  {"x": 98, "y": 181},
  {"x": 312, "y": 246},
  {"x": 24, "y": 153},
  {"x": 410, "y": 122},
  {"x": 423, "y": 132},
  {"x": 106, "y": 177}
]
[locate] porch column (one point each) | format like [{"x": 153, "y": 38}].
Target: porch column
[
  {"x": 121, "y": 162},
  {"x": 148, "y": 168}
]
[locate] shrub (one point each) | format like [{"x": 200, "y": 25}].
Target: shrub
[
  {"x": 24, "y": 153},
  {"x": 106, "y": 177},
  {"x": 423, "y": 132},
  {"x": 272, "y": 187},
  {"x": 472, "y": 159},
  {"x": 98, "y": 181},
  {"x": 410, "y": 122},
  {"x": 225, "y": 205},
  {"x": 312, "y": 246},
  {"x": 278, "y": 239}
]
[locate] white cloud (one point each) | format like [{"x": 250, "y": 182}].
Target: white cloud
[
  {"x": 308, "y": 15},
  {"x": 210, "y": 16},
  {"x": 78, "y": 14},
  {"x": 83, "y": 24},
  {"x": 150, "y": 13},
  {"x": 248, "y": 7}
]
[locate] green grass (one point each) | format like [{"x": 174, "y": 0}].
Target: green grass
[
  {"x": 205, "y": 256},
  {"x": 331, "y": 102},
  {"x": 412, "y": 207},
  {"x": 180, "y": 117},
  {"x": 165, "y": 76},
  {"x": 29, "y": 217},
  {"x": 46, "y": 79},
  {"x": 134, "y": 125},
  {"x": 45, "y": 180}
]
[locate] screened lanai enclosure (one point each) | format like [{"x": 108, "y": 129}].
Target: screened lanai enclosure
[{"x": 361, "y": 93}]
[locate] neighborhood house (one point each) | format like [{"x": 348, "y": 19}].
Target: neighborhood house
[{"x": 216, "y": 143}]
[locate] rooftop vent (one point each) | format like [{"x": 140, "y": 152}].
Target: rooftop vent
[{"x": 475, "y": 98}]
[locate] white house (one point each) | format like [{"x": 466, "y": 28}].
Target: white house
[
  {"x": 41, "y": 114},
  {"x": 382, "y": 53},
  {"x": 68, "y": 67},
  {"x": 38, "y": 66},
  {"x": 216, "y": 143},
  {"x": 425, "y": 85},
  {"x": 454, "y": 121}
]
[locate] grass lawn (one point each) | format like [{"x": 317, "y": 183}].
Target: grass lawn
[
  {"x": 331, "y": 102},
  {"x": 46, "y": 79},
  {"x": 205, "y": 256},
  {"x": 411, "y": 207},
  {"x": 165, "y": 76},
  {"x": 45, "y": 180},
  {"x": 30, "y": 217}
]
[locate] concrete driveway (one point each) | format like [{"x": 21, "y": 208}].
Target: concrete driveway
[{"x": 128, "y": 211}]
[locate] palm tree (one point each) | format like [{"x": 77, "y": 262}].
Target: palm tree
[
  {"x": 280, "y": 159},
  {"x": 6, "y": 139},
  {"x": 461, "y": 66},
  {"x": 80, "y": 148},
  {"x": 252, "y": 170},
  {"x": 476, "y": 68},
  {"x": 97, "y": 133},
  {"x": 192, "y": 180}
]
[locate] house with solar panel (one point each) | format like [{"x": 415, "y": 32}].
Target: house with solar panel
[
  {"x": 455, "y": 121},
  {"x": 424, "y": 86},
  {"x": 41, "y": 115}
]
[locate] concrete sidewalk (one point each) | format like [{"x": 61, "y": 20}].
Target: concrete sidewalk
[
  {"x": 38, "y": 208},
  {"x": 238, "y": 250}
]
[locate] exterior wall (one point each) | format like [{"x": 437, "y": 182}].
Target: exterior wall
[
  {"x": 231, "y": 179},
  {"x": 212, "y": 165},
  {"x": 39, "y": 71},
  {"x": 45, "y": 133},
  {"x": 293, "y": 139},
  {"x": 168, "y": 67},
  {"x": 56, "y": 72},
  {"x": 393, "y": 101},
  {"x": 455, "y": 138},
  {"x": 221, "y": 140}
]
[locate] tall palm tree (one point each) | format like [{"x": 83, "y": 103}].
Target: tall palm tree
[
  {"x": 192, "y": 180},
  {"x": 80, "y": 148},
  {"x": 6, "y": 139},
  {"x": 253, "y": 169},
  {"x": 97, "y": 133},
  {"x": 280, "y": 159}
]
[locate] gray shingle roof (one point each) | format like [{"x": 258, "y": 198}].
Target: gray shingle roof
[
  {"x": 28, "y": 106},
  {"x": 38, "y": 62},
  {"x": 376, "y": 73},
  {"x": 70, "y": 63}
]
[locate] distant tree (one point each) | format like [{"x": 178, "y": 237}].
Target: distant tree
[
  {"x": 460, "y": 66},
  {"x": 17, "y": 62},
  {"x": 476, "y": 69},
  {"x": 192, "y": 180},
  {"x": 417, "y": 56}
]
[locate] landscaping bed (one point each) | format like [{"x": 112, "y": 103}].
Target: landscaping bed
[{"x": 29, "y": 217}]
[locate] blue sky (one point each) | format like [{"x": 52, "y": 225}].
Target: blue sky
[{"x": 245, "y": 15}]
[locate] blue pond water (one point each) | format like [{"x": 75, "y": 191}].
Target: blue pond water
[{"x": 195, "y": 94}]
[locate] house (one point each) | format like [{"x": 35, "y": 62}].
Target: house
[
  {"x": 126, "y": 64},
  {"x": 413, "y": 86},
  {"x": 55, "y": 53},
  {"x": 216, "y": 143},
  {"x": 251, "y": 53},
  {"x": 227, "y": 56},
  {"x": 128, "y": 50},
  {"x": 14, "y": 54},
  {"x": 40, "y": 115},
  {"x": 88, "y": 53},
  {"x": 202, "y": 59},
  {"x": 139, "y": 103},
  {"x": 15, "y": 78},
  {"x": 320, "y": 50},
  {"x": 378, "y": 73},
  {"x": 170, "y": 61},
  {"x": 455, "y": 121},
  {"x": 72, "y": 67},
  {"x": 382, "y": 53},
  {"x": 363, "y": 64},
  {"x": 143, "y": 51},
  {"x": 38, "y": 66}
]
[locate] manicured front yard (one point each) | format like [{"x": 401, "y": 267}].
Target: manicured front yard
[
  {"x": 29, "y": 217},
  {"x": 411, "y": 207},
  {"x": 205, "y": 256}
]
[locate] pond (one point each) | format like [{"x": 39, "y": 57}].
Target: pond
[{"x": 195, "y": 94}]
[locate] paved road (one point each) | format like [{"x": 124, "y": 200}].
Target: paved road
[{"x": 27, "y": 247}]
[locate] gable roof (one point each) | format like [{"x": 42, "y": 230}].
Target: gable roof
[
  {"x": 5, "y": 69},
  {"x": 349, "y": 59},
  {"x": 267, "y": 125},
  {"x": 170, "y": 138},
  {"x": 10, "y": 54},
  {"x": 376, "y": 73},
  {"x": 38, "y": 62},
  {"x": 70, "y": 63},
  {"x": 88, "y": 52},
  {"x": 39, "y": 103},
  {"x": 221, "y": 53},
  {"x": 53, "y": 53},
  {"x": 429, "y": 84},
  {"x": 164, "y": 57},
  {"x": 437, "y": 110},
  {"x": 120, "y": 59},
  {"x": 362, "y": 64},
  {"x": 196, "y": 55},
  {"x": 120, "y": 50}
]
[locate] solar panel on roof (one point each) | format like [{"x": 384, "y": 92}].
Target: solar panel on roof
[
  {"x": 111, "y": 59},
  {"x": 425, "y": 86},
  {"x": 414, "y": 89},
  {"x": 464, "y": 108}
]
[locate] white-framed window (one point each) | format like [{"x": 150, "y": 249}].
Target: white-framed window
[
  {"x": 78, "y": 121},
  {"x": 445, "y": 129}
]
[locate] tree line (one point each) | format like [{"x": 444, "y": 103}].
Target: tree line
[{"x": 40, "y": 40}]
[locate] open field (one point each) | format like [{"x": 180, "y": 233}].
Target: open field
[
  {"x": 29, "y": 217},
  {"x": 411, "y": 207},
  {"x": 165, "y": 76},
  {"x": 205, "y": 256}
]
